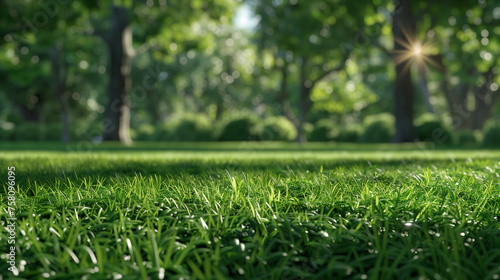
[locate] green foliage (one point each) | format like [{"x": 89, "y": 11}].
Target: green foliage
[
  {"x": 349, "y": 133},
  {"x": 324, "y": 130},
  {"x": 243, "y": 127},
  {"x": 377, "y": 128},
  {"x": 492, "y": 134},
  {"x": 15, "y": 118},
  {"x": 77, "y": 130},
  {"x": 278, "y": 129},
  {"x": 6, "y": 133},
  {"x": 28, "y": 131},
  {"x": 188, "y": 127},
  {"x": 466, "y": 137},
  {"x": 52, "y": 132},
  {"x": 308, "y": 129},
  {"x": 430, "y": 128},
  {"x": 145, "y": 132}
]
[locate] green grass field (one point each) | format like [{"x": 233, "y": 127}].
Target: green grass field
[{"x": 251, "y": 211}]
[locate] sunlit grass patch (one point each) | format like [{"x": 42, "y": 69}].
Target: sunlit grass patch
[{"x": 260, "y": 215}]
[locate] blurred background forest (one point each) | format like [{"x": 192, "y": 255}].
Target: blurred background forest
[{"x": 264, "y": 70}]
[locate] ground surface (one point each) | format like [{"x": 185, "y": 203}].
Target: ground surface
[{"x": 252, "y": 210}]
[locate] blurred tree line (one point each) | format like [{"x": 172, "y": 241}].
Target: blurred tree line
[{"x": 309, "y": 70}]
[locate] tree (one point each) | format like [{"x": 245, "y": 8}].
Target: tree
[
  {"x": 121, "y": 51},
  {"x": 314, "y": 38},
  {"x": 405, "y": 39},
  {"x": 469, "y": 61},
  {"x": 169, "y": 24}
]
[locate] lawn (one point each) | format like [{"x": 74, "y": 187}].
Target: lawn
[{"x": 251, "y": 211}]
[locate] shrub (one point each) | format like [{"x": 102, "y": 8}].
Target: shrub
[
  {"x": 491, "y": 135},
  {"x": 244, "y": 127},
  {"x": 28, "y": 131},
  {"x": 377, "y": 128},
  {"x": 278, "y": 129},
  {"x": 349, "y": 133},
  {"x": 6, "y": 134},
  {"x": 15, "y": 117},
  {"x": 188, "y": 127},
  {"x": 6, "y": 131},
  {"x": 430, "y": 128},
  {"x": 94, "y": 131},
  {"x": 466, "y": 137},
  {"x": 307, "y": 129},
  {"x": 52, "y": 132},
  {"x": 145, "y": 132},
  {"x": 324, "y": 130},
  {"x": 77, "y": 130}
]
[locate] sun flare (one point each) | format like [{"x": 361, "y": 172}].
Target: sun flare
[
  {"x": 413, "y": 50},
  {"x": 417, "y": 50}
]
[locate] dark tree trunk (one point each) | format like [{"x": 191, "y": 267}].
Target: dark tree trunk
[
  {"x": 32, "y": 112},
  {"x": 403, "y": 30},
  {"x": 153, "y": 103},
  {"x": 59, "y": 91},
  {"x": 218, "y": 111},
  {"x": 422, "y": 82},
  {"x": 458, "y": 102},
  {"x": 283, "y": 98},
  {"x": 119, "y": 41},
  {"x": 303, "y": 102},
  {"x": 485, "y": 101}
]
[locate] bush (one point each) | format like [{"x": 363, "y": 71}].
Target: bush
[
  {"x": 278, "y": 129},
  {"x": 6, "y": 134},
  {"x": 52, "y": 132},
  {"x": 377, "y": 129},
  {"x": 244, "y": 127},
  {"x": 491, "y": 135},
  {"x": 430, "y": 128},
  {"x": 466, "y": 137},
  {"x": 94, "y": 131},
  {"x": 29, "y": 131},
  {"x": 6, "y": 131},
  {"x": 324, "y": 130},
  {"x": 145, "y": 132},
  {"x": 189, "y": 127},
  {"x": 77, "y": 130},
  {"x": 349, "y": 133},
  {"x": 307, "y": 128}
]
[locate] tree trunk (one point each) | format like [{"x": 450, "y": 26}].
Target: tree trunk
[
  {"x": 119, "y": 41},
  {"x": 458, "y": 102},
  {"x": 485, "y": 101},
  {"x": 59, "y": 91},
  {"x": 403, "y": 30},
  {"x": 283, "y": 98},
  {"x": 303, "y": 102},
  {"x": 153, "y": 103},
  {"x": 218, "y": 111},
  {"x": 422, "y": 82}
]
